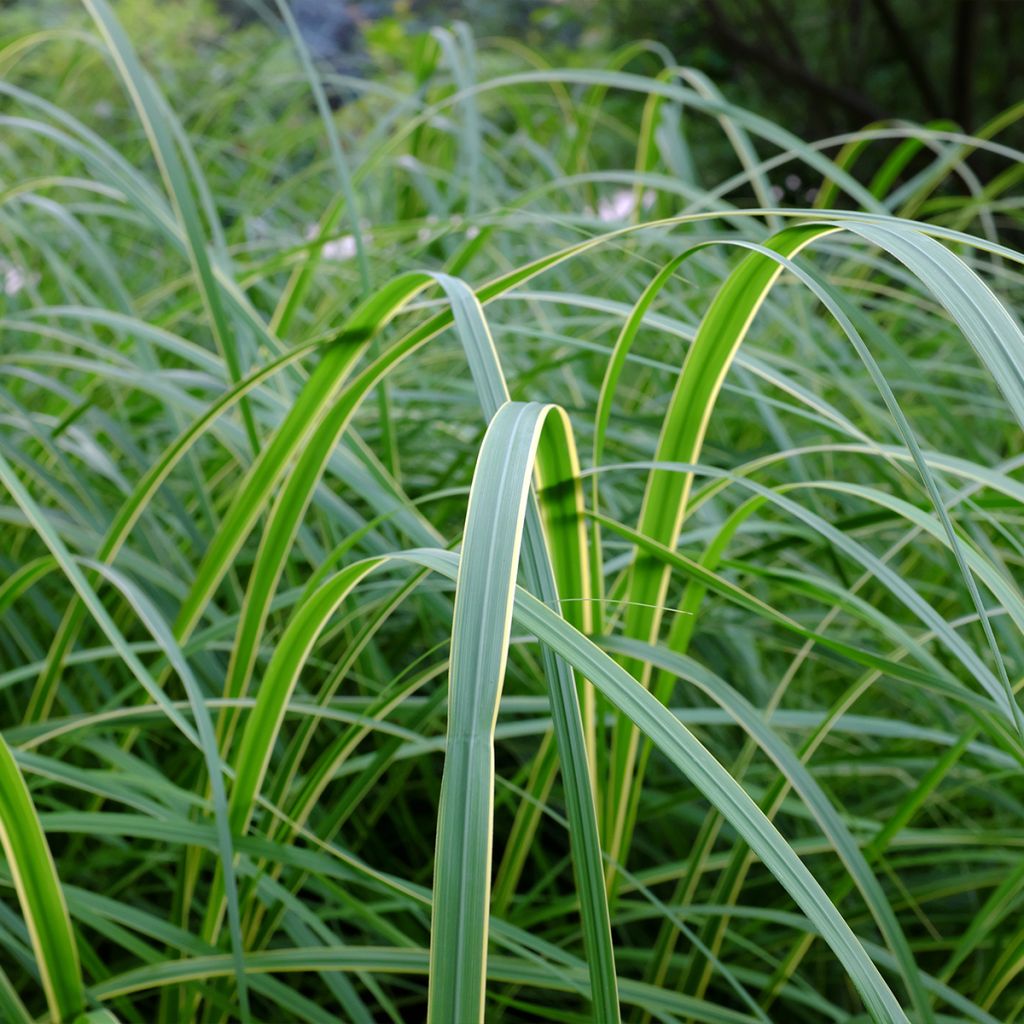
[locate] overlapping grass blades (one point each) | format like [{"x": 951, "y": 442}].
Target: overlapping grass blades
[
  {"x": 277, "y": 413},
  {"x": 485, "y": 584}
]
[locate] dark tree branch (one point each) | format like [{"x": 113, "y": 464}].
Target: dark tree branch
[
  {"x": 785, "y": 33},
  {"x": 797, "y": 74},
  {"x": 965, "y": 30},
  {"x": 907, "y": 52}
]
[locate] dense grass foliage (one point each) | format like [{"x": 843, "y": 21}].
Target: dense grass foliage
[{"x": 470, "y": 552}]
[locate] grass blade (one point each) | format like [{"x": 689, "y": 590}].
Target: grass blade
[{"x": 39, "y": 893}]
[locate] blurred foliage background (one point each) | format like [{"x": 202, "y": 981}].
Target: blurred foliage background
[{"x": 820, "y": 67}]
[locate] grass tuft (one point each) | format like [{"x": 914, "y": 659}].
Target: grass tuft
[{"x": 336, "y": 684}]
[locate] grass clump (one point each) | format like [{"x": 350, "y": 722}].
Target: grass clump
[{"x": 470, "y": 553}]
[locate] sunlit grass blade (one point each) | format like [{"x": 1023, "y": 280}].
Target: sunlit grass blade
[
  {"x": 483, "y": 603},
  {"x": 39, "y": 893}
]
